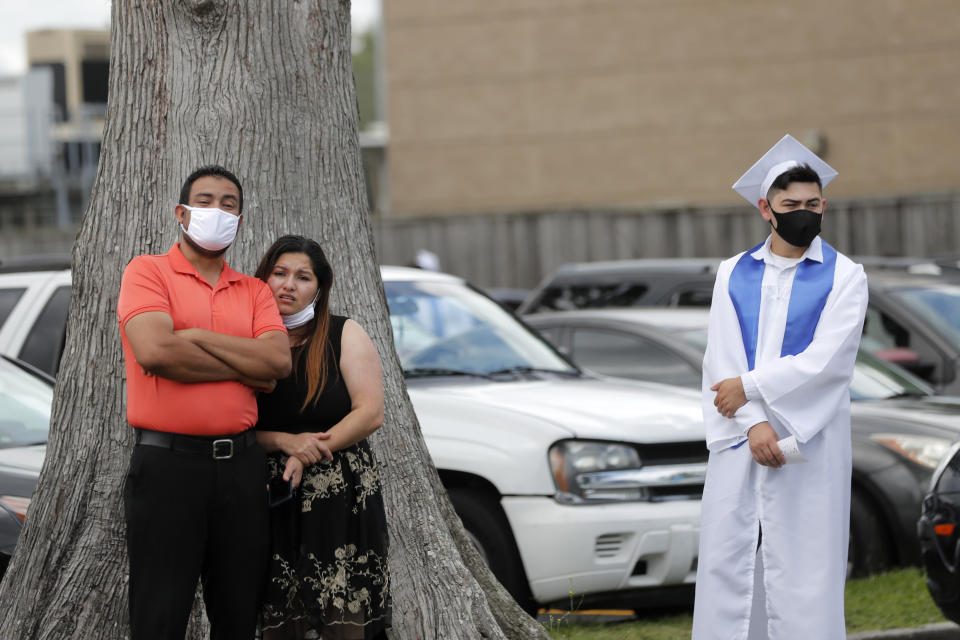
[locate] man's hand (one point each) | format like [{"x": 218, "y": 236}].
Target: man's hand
[
  {"x": 195, "y": 336},
  {"x": 190, "y": 335},
  {"x": 309, "y": 447},
  {"x": 293, "y": 470},
  {"x": 730, "y": 396},
  {"x": 264, "y": 357},
  {"x": 263, "y": 386},
  {"x": 764, "y": 447}
]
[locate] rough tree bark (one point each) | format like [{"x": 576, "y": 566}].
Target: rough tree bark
[{"x": 266, "y": 89}]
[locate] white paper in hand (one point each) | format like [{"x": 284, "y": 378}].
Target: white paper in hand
[{"x": 791, "y": 450}]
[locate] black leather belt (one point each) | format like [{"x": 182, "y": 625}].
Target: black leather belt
[{"x": 220, "y": 447}]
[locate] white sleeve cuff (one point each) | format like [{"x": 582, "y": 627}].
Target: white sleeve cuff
[
  {"x": 750, "y": 389},
  {"x": 748, "y": 415}
]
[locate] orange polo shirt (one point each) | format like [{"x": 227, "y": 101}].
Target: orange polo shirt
[{"x": 238, "y": 305}]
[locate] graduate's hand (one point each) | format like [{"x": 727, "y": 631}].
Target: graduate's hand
[
  {"x": 730, "y": 396},
  {"x": 293, "y": 470},
  {"x": 764, "y": 447}
]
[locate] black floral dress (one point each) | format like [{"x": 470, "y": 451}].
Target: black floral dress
[{"x": 328, "y": 548}]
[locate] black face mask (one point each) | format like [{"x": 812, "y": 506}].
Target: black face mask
[{"x": 799, "y": 227}]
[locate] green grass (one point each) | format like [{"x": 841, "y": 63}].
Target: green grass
[
  {"x": 888, "y": 601},
  {"x": 668, "y": 628}
]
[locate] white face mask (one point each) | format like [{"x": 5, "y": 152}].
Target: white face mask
[
  {"x": 212, "y": 229},
  {"x": 301, "y": 317}
]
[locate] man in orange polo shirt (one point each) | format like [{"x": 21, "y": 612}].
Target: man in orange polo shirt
[{"x": 195, "y": 499}]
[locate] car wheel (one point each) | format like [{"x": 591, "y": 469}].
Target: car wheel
[
  {"x": 870, "y": 550},
  {"x": 487, "y": 528}
]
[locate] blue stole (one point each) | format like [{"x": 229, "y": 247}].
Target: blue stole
[{"x": 811, "y": 286}]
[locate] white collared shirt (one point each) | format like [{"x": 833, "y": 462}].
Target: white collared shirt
[{"x": 776, "y": 287}]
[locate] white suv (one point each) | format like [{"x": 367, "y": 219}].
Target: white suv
[
  {"x": 566, "y": 482},
  {"x": 34, "y": 300}
]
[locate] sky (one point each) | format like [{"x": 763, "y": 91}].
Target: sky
[{"x": 20, "y": 17}]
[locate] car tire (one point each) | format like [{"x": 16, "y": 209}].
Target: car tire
[
  {"x": 870, "y": 549},
  {"x": 488, "y": 529}
]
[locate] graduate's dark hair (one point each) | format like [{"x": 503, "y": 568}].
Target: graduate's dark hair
[
  {"x": 801, "y": 173},
  {"x": 318, "y": 347},
  {"x": 216, "y": 171}
]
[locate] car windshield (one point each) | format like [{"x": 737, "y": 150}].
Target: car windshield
[
  {"x": 447, "y": 327},
  {"x": 937, "y": 305},
  {"x": 873, "y": 378},
  {"x": 694, "y": 337},
  {"x": 876, "y": 379},
  {"x": 24, "y": 407}
]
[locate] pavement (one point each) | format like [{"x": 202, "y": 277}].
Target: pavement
[{"x": 939, "y": 631}]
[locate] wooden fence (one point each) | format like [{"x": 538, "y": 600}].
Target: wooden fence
[{"x": 517, "y": 250}]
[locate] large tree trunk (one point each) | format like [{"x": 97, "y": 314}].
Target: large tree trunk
[{"x": 264, "y": 88}]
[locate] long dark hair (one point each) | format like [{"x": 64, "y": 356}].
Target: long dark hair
[{"x": 317, "y": 346}]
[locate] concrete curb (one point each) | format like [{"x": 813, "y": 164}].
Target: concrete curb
[{"x": 939, "y": 631}]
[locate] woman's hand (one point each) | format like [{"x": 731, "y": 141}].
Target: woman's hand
[
  {"x": 311, "y": 448},
  {"x": 293, "y": 471}
]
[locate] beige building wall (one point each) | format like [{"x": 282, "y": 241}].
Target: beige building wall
[
  {"x": 80, "y": 123},
  {"x": 69, "y": 47},
  {"x": 506, "y": 105}
]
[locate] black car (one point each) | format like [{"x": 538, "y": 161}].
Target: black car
[
  {"x": 939, "y": 532},
  {"x": 900, "y": 429},
  {"x": 25, "y": 397}
]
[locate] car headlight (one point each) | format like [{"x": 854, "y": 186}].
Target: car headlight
[
  {"x": 575, "y": 463},
  {"x": 925, "y": 451},
  {"x": 16, "y": 505}
]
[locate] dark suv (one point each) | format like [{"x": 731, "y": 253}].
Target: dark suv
[
  {"x": 625, "y": 283},
  {"x": 913, "y": 318}
]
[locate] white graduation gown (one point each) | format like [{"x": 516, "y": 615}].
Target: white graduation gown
[{"x": 803, "y": 508}]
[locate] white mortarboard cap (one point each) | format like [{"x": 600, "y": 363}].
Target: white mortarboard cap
[
  {"x": 427, "y": 260},
  {"x": 783, "y": 156}
]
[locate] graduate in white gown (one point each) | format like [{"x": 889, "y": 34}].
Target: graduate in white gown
[{"x": 785, "y": 327}]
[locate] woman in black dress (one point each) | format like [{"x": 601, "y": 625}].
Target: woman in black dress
[{"x": 328, "y": 558}]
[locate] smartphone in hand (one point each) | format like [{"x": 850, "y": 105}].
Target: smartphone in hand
[{"x": 279, "y": 491}]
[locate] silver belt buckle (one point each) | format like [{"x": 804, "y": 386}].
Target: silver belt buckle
[{"x": 216, "y": 449}]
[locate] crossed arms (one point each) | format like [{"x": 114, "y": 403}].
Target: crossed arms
[
  {"x": 803, "y": 391},
  {"x": 198, "y": 355}
]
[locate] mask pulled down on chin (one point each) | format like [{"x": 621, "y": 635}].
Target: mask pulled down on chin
[
  {"x": 797, "y": 228},
  {"x": 210, "y": 228},
  {"x": 302, "y": 317}
]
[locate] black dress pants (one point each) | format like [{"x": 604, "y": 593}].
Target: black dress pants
[{"x": 188, "y": 517}]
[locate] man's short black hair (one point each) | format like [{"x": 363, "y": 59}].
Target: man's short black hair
[
  {"x": 210, "y": 170},
  {"x": 800, "y": 173}
]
